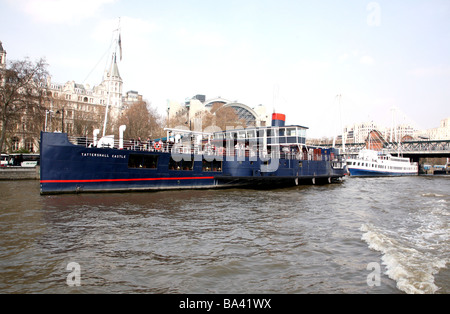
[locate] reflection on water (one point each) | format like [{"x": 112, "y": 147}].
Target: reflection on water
[{"x": 308, "y": 239}]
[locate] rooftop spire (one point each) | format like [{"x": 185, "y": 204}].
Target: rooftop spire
[
  {"x": 2, "y": 56},
  {"x": 114, "y": 69}
]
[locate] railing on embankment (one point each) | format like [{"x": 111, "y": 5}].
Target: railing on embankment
[{"x": 19, "y": 173}]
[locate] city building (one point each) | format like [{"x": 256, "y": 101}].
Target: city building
[
  {"x": 131, "y": 97},
  {"x": 83, "y": 103},
  {"x": 440, "y": 133},
  {"x": 400, "y": 132},
  {"x": 359, "y": 132},
  {"x": 72, "y": 107},
  {"x": 194, "y": 107},
  {"x": 2, "y": 57}
]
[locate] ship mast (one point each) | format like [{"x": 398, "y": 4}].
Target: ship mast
[
  {"x": 344, "y": 135},
  {"x": 116, "y": 43},
  {"x": 341, "y": 127}
]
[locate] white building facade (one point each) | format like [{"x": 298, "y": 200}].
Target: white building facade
[
  {"x": 440, "y": 133},
  {"x": 75, "y": 97},
  {"x": 73, "y": 108}
]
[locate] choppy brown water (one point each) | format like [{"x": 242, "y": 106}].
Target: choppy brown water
[{"x": 308, "y": 239}]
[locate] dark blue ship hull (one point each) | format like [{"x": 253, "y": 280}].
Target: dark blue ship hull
[
  {"x": 372, "y": 173},
  {"x": 70, "y": 168}
]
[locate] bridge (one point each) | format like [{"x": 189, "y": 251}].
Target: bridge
[
  {"x": 408, "y": 147},
  {"x": 423, "y": 149},
  {"x": 411, "y": 149}
]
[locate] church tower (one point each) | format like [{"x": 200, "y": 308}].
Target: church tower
[
  {"x": 114, "y": 84},
  {"x": 2, "y": 57}
]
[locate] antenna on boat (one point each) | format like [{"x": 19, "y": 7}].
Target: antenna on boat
[
  {"x": 275, "y": 96},
  {"x": 342, "y": 126},
  {"x": 392, "y": 127},
  {"x": 116, "y": 43},
  {"x": 339, "y": 97},
  {"x": 334, "y": 128}
]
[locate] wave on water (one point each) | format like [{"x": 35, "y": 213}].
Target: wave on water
[
  {"x": 432, "y": 195},
  {"x": 413, "y": 270}
]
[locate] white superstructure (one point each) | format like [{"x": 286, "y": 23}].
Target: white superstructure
[{"x": 374, "y": 163}]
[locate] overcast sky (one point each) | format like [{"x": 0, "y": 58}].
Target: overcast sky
[{"x": 292, "y": 56}]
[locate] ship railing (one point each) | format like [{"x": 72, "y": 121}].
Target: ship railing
[
  {"x": 239, "y": 153},
  {"x": 339, "y": 162},
  {"x": 135, "y": 145},
  {"x": 415, "y": 146}
]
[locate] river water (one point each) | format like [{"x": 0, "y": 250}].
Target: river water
[{"x": 371, "y": 235}]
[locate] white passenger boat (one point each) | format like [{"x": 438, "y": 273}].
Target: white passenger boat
[{"x": 371, "y": 163}]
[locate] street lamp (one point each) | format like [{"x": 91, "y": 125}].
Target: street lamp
[
  {"x": 47, "y": 112},
  {"x": 62, "y": 119}
]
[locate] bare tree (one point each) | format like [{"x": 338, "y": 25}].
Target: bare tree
[
  {"x": 142, "y": 121},
  {"x": 22, "y": 90},
  {"x": 56, "y": 104},
  {"x": 181, "y": 119},
  {"x": 85, "y": 122},
  {"x": 223, "y": 117}
]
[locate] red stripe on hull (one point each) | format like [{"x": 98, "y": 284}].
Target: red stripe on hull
[{"x": 125, "y": 180}]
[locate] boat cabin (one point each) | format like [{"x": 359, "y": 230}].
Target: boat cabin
[{"x": 292, "y": 135}]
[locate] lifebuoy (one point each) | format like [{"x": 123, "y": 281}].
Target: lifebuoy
[{"x": 157, "y": 146}]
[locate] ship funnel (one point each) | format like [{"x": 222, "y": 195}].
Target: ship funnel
[
  {"x": 278, "y": 119},
  {"x": 96, "y": 132},
  {"x": 122, "y": 129}
]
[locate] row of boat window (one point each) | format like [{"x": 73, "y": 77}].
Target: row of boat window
[
  {"x": 141, "y": 161},
  {"x": 260, "y": 133},
  {"x": 354, "y": 163}
]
